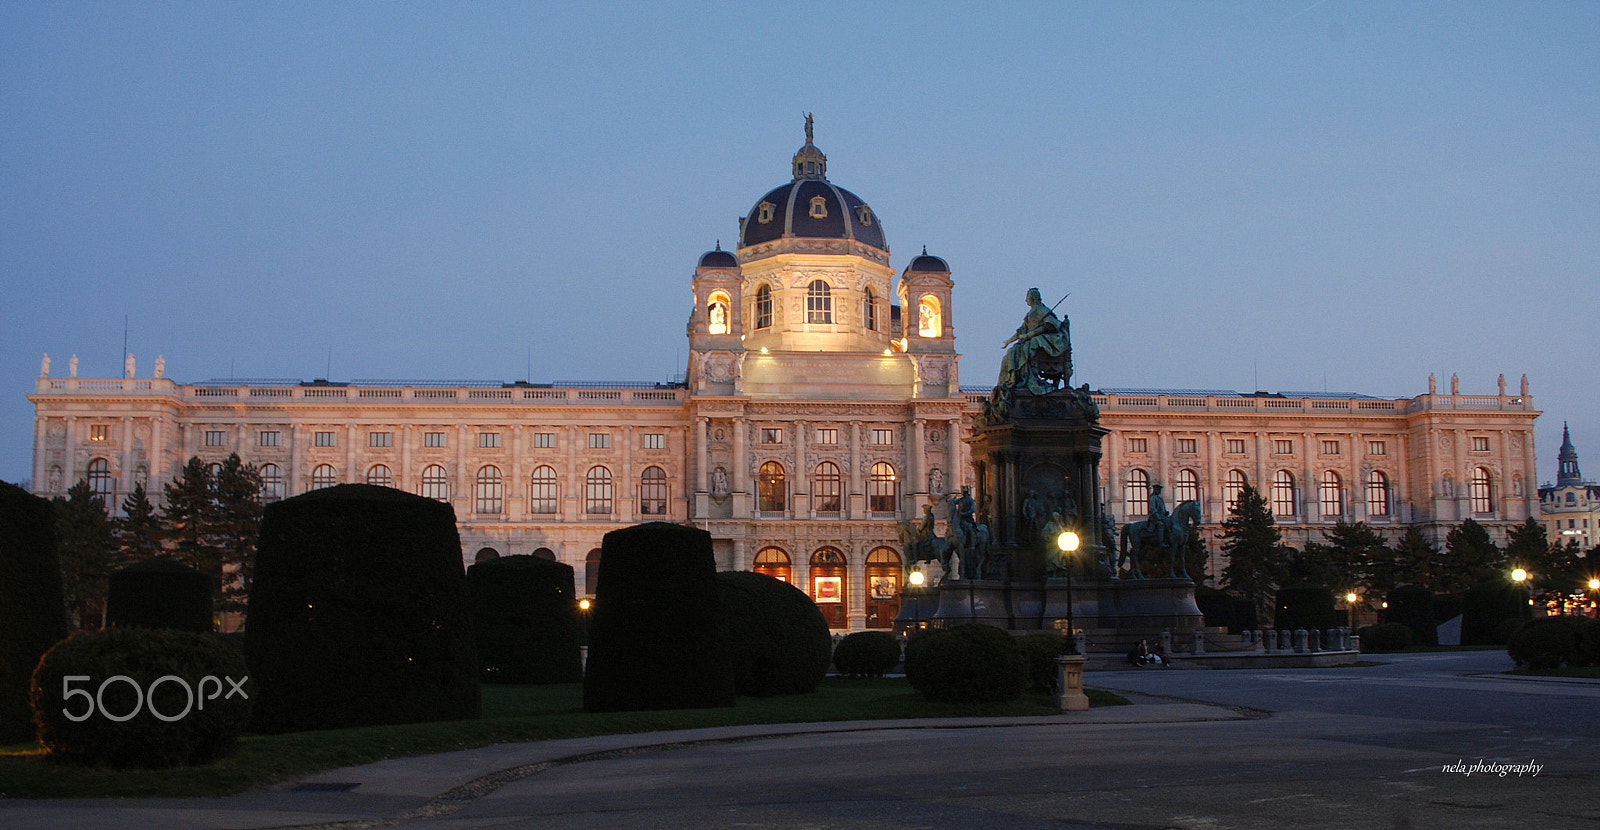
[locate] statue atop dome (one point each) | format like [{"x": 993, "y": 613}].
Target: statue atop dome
[{"x": 808, "y": 128}]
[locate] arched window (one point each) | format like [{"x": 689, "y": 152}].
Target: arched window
[
  {"x": 772, "y": 492},
  {"x": 435, "y": 483},
  {"x": 869, "y": 311},
  {"x": 881, "y": 488},
  {"x": 485, "y": 554},
  {"x": 1330, "y": 491},
  {"x": 324, "y": 476},
  {"x": 819, "y": 303},
  {"x": 597, "y": 492},
  {"x": 829, "y": 580},
  {"x": 883, "y": 587},
  {"x": 764, "y": 307},
  {"x": 271, "y": 483},
  {"x": 825, "y": 488},
  {"x": 1377, "y": 494},
  {"x": 717, "y": 313},
  {"x": 1137, "y": 493},
  {"x": 99, "y": 477},
  {"x": 542, "y": 490},
  {"x": 653, "y": 492},
  {"x": 489, "y": 493},
  {"x": 1186, "y": 486},
  {"x": 1283, "y": 493},
  {"x": 591, "y": 571},
  {"x": 380, "y": 476},
  {"x": 1233, "y": 487},
  {"x": 774, "y": 563},
  {"x": 929, "y": 321},
  {"x": 545, "y": 553},
  {"x": 1480, "y": 488}
]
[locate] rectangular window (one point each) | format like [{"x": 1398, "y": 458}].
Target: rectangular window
[
  {"x": 1283, "y": 446},
  {"x": 771, "y": 436},
  {"x": 544, "y": 440},
  {"x": 600, "y": 441},
  {"x": 827, "y": 436},
  {"x": 99, "y": 432},
  {"x": 1330, "y": 447},
  {"x": 380, "y": 439},
  {"x": 883, "y": 437},
  {"x": 269, "y": 438},
  {"x": 1377, "y": 448},
  {"x": 1480, "y": 445},
  {"x": 1235, "y": 446},
  {"x": 655, "y": 441},
  {"x": 489, "y": 440},
  {"x": 432, "y": 439},
  {"x": 216, "y": 437},
  {"x": 324, "y": 439},
  {"x": 1138, "y": 445},
  {"x": 1186, "y": 445}
]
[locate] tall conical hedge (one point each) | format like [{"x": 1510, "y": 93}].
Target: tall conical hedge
[
  {"x": 525, "y": 618},
  {"x": 33, "y": 616}
]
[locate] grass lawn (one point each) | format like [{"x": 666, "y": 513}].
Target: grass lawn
[
  {"x": 510, "y": 714},
  {"x": 1592, "y": 672}
]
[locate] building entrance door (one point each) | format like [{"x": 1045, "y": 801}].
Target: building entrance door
[
  {"x": 883, "y": 587},
  {"x": 829, "y": 586}
]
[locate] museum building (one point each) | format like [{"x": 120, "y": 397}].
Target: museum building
[
  {"x": 1571, "y": 506},
  {"x": 821, "y": 406}
]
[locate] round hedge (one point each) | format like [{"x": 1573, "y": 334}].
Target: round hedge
[
  {"x": 525, "y": 619},
  {"x": 1385, "y": 637},
  {"x": 778, "y": 637},
  {"x": 145, "y": 655},
  {"x": 969, "y": 663},
  {"x": 1042, "y": 648},
  {"x": 866, "y": 654},
  {"x": 1544, "y": 643},
  {"x": 1490, "y": 612},
  {"x": 32, "y": 613},
  {"x": 160, "y": 593}
]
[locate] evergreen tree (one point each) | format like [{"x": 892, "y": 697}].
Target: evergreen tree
[
  {"x": 238, "y": 525},
  {"x": 1415, "y": 559},
  {"x": 86, "y": 551},
  {"x": 1196, "y": 559},
  {"x": 139, "y": 531},
  {"x": 1363, "y": 561},
  {"x": 1471, "y": 557},
  {"x": 1315, "y": 565},
  {"x": 1254, "y": 547},
  {"x": 191, "y": 506}
]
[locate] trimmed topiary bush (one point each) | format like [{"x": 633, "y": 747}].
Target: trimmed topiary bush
[
  {"x": 777, "y": 636},
  {"x": 657, "y": 640},
  {"x": 359, "y": 612},
  {"x": 185, "y": 709},
  {"x": 33, "y": 615},
  {"x": 866, "y": 654},
  {"x": 160, "y": 593},
  {"x": 525, "y": 620},
  {"x": 1544, "y": 643},
  {"x": 1385, "y": 637},
  {"x": 1305, "y": 606},
  {"x": 1490, "y": 612},
  {"x": 1041, "y": 648},
  {"x": 969, "y": 663},
  {"x": 1412, "y": 607}
]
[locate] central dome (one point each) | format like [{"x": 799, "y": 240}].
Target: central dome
[{"x": 811, "y": 207}]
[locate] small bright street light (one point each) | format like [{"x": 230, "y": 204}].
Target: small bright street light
[
  {"x": 1519, "y": 575},
  {"x": 917, "y": 578},
  {"x": 1594, "y": 584},
  {"x": 583, "y": 604},
  {"x": 1067, "y": 541},
  {"x": 1350, "y": 605}
]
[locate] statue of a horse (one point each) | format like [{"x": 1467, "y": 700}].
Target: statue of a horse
[
  {"x": 1138, "y": 535},
  {"x": 972, "y": 547},
  {"x": 918, "y": 549}
]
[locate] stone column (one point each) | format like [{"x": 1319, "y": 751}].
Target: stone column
[
  {"x": 626, "y": 496},
  {"x": 129, "y": 462},
  {"x": 852, "y": 482},
  {"x": 41, "y": 467},
  {"x": 293, "y": 483},
  {"x": 801, "y": 491},
  {"x": 916, "y": 462},
  {"x": 407, "y": 435}
]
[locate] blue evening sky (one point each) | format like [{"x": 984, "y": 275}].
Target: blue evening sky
[{"x": 1285, "y": 196}]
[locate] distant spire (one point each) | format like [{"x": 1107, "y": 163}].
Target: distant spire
[{"x": 1567, "y": 472}]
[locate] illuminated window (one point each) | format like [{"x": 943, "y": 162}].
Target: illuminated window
[
  {"x": 825, "y": 488},
  {"x": 828, "y": 436},
  {"x": 869, "y": 311},
  {"x": 1377, "y": 494},
  {"x": 1233, "y": 487},
  {"x": 488, "y": 440},
  {"x": 1186, "y": 486},
  {"x": 1138, "y": 445},
  {"x": 883, "y": 437},
  {"x": 271, "y": 482},
  {"x": 1234, "y": 446},
  {"x": 1187, "y": 446},
  {"x": 774, "y": 563},
  {"x": 819, "y": 303},
  {"x": 489, "y": 493},
  {"x": 929, "y": 321},
  {"x": 99, "y": 477},
  {"x": 600, "y": 441},
  {"x": 544, "y": 440},
  {"x": 717, "y": 313},
  {"x": 771, "y": 436},
  {"x": 1480, "y": 488},
  {"x": 764, "y": 307},
  {"x": 99, "y": 432},
  {"x": 324, "y": 439},
  {"x": 597, "y": 492},
  {"x": 772, "y": 492},
  {"x": 435, "y": 482},
  {"x": 269, "y": 438},
  {"x": 324, "y": 476},
  {"x": 216, "y": 437},
  {"x": 655, "y": 441},
  {"x": 432, "y": 439},
  {"x": 542, "y": 490},
  {"x": 1283, "y": 493},
  {"x": 380, "y": 476},
  {"x": 653, "y": 492},
  {"x": 380, "y": 439},
  {"x": 819, "y": 207},
  {"x": 1136, "y": 492},
  {"x": 881, "y": 489},
  {"x": 1330, "y": 491}
]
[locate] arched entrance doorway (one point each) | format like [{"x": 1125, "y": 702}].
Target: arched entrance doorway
[
  {"x": 883, "y": 587},
  {"x": 774, "y": 563},
  {"x": 829, "y": 586}
]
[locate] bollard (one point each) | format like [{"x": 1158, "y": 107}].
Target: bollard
[
  {"x": 1166, "y": 643},
  {"x": 1199, "y": 642},
  {"x": 1299, "y": 641},
  {"x": 1314, "y": 640},
  {"x": 1272, "y": 640},
  {"x": 1082, "y": 639}
]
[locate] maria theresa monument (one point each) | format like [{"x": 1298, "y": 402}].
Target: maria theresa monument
[{"x": 822, "y": 434}]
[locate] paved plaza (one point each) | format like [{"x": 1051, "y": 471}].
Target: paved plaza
[{"x": 1361, "y": 747}]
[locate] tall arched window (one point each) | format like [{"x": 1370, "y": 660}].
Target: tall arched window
[
  {"x": 597, "y": 492},
  {"x": 1377, "y": 494},
  {"x": 489, "y": 492},
  {"x": 1233, "y": 487},
  {"x": 774, "y": 563},
  {"x": 653, "y": 492},
  {"x": 764, "y": 307},
  {"x": 484, "y": 555},
  {"x": 830, "y": 586},
  {"x": 1481, "y": 488},
  {"x": 772, "y": 492},
  {"x": 591, "y": 571},
  {"x": 99, "y": 477},
  {"x": 324, "y": 476},
  {"x": 435, "y": 483},
  {"x": 1283, "y": 493},
  {"x": 819, "y": 303},
  {"x": 883, "y": 587},
  {"x": 881, "y": 489},
  {"x": 1330, "y": 492},
  {"x": 542, "y": 490},
  {"x": 1185, "y": 486},
  {"x": 1137, "y": 493},
  {"x": 271, "y": 483},
  {"x": 717, "y": 313},
  {"x": 930, "y": 322},
  {"x": 380, "y": 476},
  {"x": 825, "y": 488},
  {"x": 869, "y": 311}
]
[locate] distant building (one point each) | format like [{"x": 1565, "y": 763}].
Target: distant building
[
  {"x": 1571, "y": 506},
  {"x": 821, "y": 405}
]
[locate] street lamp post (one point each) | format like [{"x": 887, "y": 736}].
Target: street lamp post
[
  {"x": 1068, "y": 543},
  {"x": 1520, "y": 576},
  {"x": 1350, "y": 606},
  {"x": 1594, "y": 587}
]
